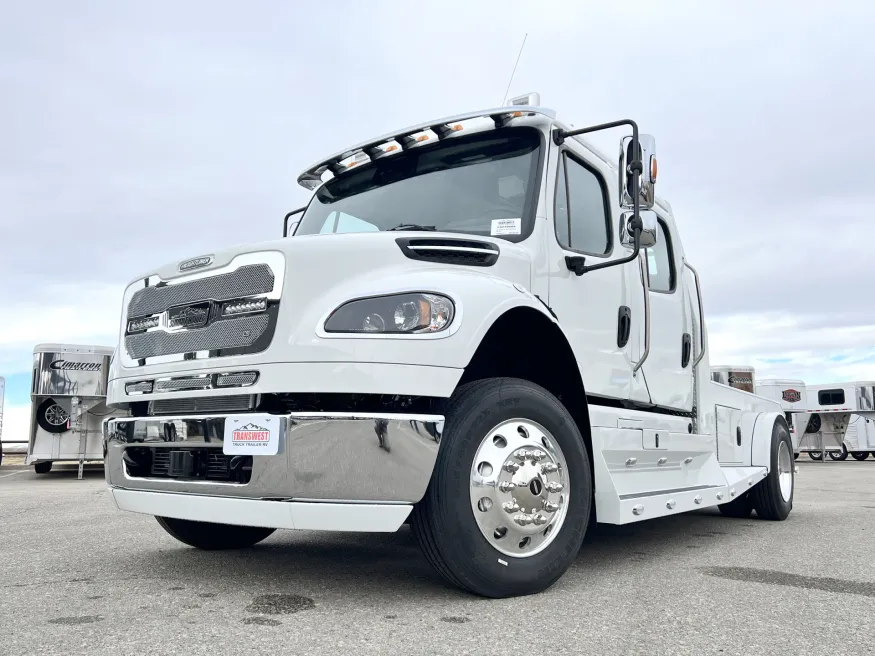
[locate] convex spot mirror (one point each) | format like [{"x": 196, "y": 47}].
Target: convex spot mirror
[
  {"x": 647, "y": 179},
  {"x": 648, "y": 233},
  {"x": 291, "y": 221}
]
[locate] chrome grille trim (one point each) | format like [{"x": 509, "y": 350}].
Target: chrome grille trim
[{"x": 245, "y": 281}]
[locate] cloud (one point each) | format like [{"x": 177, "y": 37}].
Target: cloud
[
  {"x": 145, "y": 133},
  {"x": 16, "y": 425}
]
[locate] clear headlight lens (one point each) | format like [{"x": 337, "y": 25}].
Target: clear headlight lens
[{"x": 395, "y": 314}]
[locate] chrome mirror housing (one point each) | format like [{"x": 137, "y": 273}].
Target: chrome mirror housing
[
  {"x": 649, "y": 230},
  {"x": 647, "y": 178}
]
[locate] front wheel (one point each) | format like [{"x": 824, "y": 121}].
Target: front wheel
[
  {"x": 213, "y": 537},
  {"x": 509, "y": 501},
  {"x": 859, "y": 455},
  {"x": 772, "y": 497},
  {"x": 839, "y": 455}
]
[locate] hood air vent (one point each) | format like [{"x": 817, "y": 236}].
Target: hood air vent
[{"x": 466, "y": 252}]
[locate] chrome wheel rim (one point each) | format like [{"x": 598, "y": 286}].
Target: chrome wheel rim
[
  {"x": 519, "y": 488},
  {"x": 785, "y": 471},
  {"x": 56, "y": 415}
]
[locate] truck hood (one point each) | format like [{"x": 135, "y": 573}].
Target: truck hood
[{"x": 321, "y": 272}]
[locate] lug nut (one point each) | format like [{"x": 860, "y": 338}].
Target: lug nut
[
  {"x": 554, "y": 487},
  {"x": 510, "y": 506},
  {"x": 537, "y": 455},
  {"x": 551, "y": 507},
  {"x": 521, "y": 455},
  {"x": 506, "y": 486},
  {"x": 549, "y": 468},
  {"x": 511, "y": 467},
  {"x": 540, "y": 520},
  {"x": 523, "y": 519}
]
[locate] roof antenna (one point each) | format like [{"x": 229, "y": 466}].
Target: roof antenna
[{"x": 506, "y": 91}]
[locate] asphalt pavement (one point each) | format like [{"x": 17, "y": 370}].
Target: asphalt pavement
[{"x": 78, "y": 576}]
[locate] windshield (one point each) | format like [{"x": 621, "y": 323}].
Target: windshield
[{"x": 484, "y": 184}]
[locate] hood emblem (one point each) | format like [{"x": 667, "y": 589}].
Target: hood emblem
[
  {"x": 196, "y": 263},
  {"x": 192, "y": 316}
]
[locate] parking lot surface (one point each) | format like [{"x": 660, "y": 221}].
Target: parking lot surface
[{"x": 78, "y": 576}]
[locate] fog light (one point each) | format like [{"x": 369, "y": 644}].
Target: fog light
[
  {"x": 244, "y": 307},
  {"x": 141, "y": 325},
  {"x": 140, "y": 387}
]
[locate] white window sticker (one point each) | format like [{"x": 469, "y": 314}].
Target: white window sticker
[
  {"x": 252, "y": 435},
  {"x": 506, "y": 227}
]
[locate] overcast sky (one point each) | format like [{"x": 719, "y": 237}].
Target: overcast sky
[{"x": 133, "y": 134}]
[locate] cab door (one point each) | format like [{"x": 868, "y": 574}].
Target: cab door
[
  {"x": 668, "y": 366},
  {"x": 594, "y": 308}
]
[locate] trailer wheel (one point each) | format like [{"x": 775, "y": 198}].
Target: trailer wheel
[
  {"x": 859, "y": 455},
  {"x": 52, "y": 418},
  {"x": 739, "y": 508},
  {"x": 839, "y": 455},
  {"x": 815, "y": 455},
  {"x": 773, "y": 496},
  {"x": 213, "y": 537},
  {"x": 43, "y": 467},
  {"x": 509, "y": 500}
]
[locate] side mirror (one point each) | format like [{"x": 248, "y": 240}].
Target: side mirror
[
  {"x": 649, "y": 231},
  {"x": 647, "y": 180},
  {"x": 289, "y": 228}
]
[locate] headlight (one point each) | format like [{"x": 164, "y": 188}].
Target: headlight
[{"x": 398, "y": 314}]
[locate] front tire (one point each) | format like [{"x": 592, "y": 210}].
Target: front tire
[
  {"x": 509, "y": 500},
  {"x": 213, "y": 537},
  {"x": 773, "y": 497}
]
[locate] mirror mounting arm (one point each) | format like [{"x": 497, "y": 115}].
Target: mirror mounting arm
[
  {"x": 576, "y": 264},
  {"x": 288, "y": 216}
]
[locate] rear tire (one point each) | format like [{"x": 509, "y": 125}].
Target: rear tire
[
  {"x": 773, "y": 496},
  {"x": 839, "y": 455},
  {"x": 859, "y": 455},
  {"x": 213, "y": 537},
  {"x": 43, "y": 467},
  {"x": 739, "y": 508},
  {"x": 474, "y": 454}
]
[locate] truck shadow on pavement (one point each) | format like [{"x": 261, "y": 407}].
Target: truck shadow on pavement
[{"x": 361, "y": 565}]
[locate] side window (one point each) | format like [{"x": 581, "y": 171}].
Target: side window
[
  {"x": 581, "y": 214},
  {"x": 660, "y": 262},
  {"x": 831, "y": 397}
]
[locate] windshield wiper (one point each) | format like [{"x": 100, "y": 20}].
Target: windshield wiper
[{"x": 413, "y": 226}]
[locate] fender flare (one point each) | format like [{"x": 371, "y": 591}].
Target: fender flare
[{"x": 761, "y": 440}]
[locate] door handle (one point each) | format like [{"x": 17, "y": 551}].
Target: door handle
[
  {"x": 624, "y": 325},
  {"x": 686, "y": 350}
]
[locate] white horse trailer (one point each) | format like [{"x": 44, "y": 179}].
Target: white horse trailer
[
  {"x": 832, "y": 410},
  {"x": 739, "y": 377},
  {"x": 68, "y": 404},
  {"x": 793, "y": 397}
]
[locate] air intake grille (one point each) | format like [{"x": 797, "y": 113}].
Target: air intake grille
[
  {"x": 201, "y": 405},
  {"x": 245, "y": 281},
  {"x": 228, "y": 333},
  {"x": 465, "y": 252}
]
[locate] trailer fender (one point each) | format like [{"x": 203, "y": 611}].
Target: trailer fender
[{"x": 761, "y": 441}]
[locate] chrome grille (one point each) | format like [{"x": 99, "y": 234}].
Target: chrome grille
[
  {"x": 245, "y": 281},
  {"x": 234, "y": 403},
  {"x": 224, "y": 334}
]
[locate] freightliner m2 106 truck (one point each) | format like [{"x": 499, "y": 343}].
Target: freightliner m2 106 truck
[{"x": 480, "y": 326}]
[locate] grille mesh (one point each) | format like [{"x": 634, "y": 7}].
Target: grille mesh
[
  {"x": 245, "y": 281},
  {"x": 202, "y": 404},
  {"x": 229, "y": 333}
]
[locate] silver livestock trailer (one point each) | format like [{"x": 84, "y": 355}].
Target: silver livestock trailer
[
  {"x": 68, "y": 394},
  {"x": 839, "y": 420}
]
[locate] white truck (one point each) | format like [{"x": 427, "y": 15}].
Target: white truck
[
  {"x": 839, "y": 421},
  {"x": 480, "y": 326}
]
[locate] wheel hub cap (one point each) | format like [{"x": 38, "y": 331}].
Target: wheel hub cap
[{"x": 519, "y": 483}]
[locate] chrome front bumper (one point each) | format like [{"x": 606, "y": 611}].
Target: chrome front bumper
[{"x": 323, "y": 457}]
